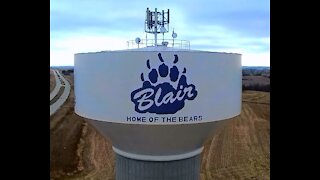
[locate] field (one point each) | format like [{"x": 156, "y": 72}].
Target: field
[
  {"x": 251, "y": 80},
  {"x": 241, "y": 150}
]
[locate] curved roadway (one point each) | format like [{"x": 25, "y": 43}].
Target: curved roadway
[
  {"x": 64, "y": 96},
  {"x": 56, "y": 89}
]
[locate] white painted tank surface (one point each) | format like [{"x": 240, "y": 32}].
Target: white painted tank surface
[{"x": 158, "y": 103}]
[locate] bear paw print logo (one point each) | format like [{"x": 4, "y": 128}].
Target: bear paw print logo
[{"x": 166, "y": 96}]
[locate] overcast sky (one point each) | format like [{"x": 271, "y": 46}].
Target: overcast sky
[{"x": 238, "y": 26}]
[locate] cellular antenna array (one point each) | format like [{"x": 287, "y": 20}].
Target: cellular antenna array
[{"x": 156, "y": 22}]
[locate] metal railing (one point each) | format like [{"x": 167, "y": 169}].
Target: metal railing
[{"x": 181, "y": 44}]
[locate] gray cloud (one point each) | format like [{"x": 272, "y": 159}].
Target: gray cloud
[
  {"x": 248, "y": 17},
  {"x": 248, "y": 23},
  {"x": 215, "y": 25},
  {"x": 67, "y": 22}
]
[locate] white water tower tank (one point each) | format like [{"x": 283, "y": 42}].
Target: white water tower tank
[{"x": 157, "y": 103}]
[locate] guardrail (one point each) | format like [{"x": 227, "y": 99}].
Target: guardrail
[{"x": 181, "y": 44}]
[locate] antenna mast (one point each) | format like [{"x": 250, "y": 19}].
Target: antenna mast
[{"x": 156, "y": 22}]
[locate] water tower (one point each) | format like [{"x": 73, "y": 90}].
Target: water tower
[{"x": 159, "y": 102}]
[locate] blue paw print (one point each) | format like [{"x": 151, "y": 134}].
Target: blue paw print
[
  {"x": 163, "y": 71},
  {"x": 163, "y": 98}
]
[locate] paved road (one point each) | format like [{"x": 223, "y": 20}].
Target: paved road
[
  {"x": 56, "y": 89},
  {"x": 60, "y": 81}
]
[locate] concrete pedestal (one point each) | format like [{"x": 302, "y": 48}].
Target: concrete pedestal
[{"x": 131, "y": 169}]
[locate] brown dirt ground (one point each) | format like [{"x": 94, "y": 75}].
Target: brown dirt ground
[
  {"x": 241, "y": 150},
  {"x": 77, "y": 151},
  {"x": 52, "y": 81}
]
